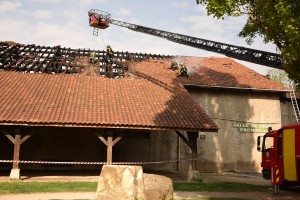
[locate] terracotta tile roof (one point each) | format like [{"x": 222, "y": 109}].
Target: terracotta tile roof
[
  {"x": 210, "y": 72},
  {"x": 88, "y": 101},
  {"x": 225, "y": 72},
  {"x": 152, "y": 98}
]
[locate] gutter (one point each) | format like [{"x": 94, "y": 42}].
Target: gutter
[{"x": 236, "y": 88}]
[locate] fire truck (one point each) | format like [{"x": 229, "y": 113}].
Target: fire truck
[{"x": 281, "y": 156}]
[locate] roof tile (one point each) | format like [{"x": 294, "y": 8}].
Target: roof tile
[
  {"x": 77, "y": 100},
  {"x": 154, "y": 99}
]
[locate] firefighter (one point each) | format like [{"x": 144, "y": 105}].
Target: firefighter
[
  {"x": 183, "y": 71},
  {"x": 174, "y": 66},
  {"x": 92, "y": 57},
  {"x": 109, "y": 54}
]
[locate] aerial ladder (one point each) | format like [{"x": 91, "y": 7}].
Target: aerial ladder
[{"x": 101, "y": 20}]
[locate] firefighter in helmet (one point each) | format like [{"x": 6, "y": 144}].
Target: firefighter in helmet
[
  {"x": 174, "y": 66},
  {"x": 109, "y": 54},
  {"x": 92, "y": 57},
  {"x": 182, "y": 71}
]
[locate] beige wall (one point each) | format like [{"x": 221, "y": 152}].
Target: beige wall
[
  {"x": 287, "y": 112},
  {"x": 230, "y": 149}
]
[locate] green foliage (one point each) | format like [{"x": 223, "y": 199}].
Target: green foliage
[
  {"x": 280, "y": 76},
  {"x": 277, "y": 21}
]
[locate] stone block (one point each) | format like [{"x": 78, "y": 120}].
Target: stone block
[
  {"x": 120, "y": 182},
  {"x": 158, "y": 187}
]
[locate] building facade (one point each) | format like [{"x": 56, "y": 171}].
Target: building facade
[
  {"x": 241, "y": 115},
  {"x": 208, "y": 121}
]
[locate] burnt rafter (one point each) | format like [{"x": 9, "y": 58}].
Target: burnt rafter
[
  {"x": 46, "y": 59},
  {"x": 242, "y": 53}
]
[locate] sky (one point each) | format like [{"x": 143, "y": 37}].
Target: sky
[{"x": 65, "y": 23}]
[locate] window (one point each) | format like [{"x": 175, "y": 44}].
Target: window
[{"x": 268, "y": 143}]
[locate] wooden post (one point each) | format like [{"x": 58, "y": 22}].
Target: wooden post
[
  {"x": 110, "y": 142},
  {"x": 192, "y": 137},
  {"x": 17, "y": 144},
  {"x": 191, "y": 141},
  {"x": 109, "y": 146},
  {"x": 17, "y": 141}
]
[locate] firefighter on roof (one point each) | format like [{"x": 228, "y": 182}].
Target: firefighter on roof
[
  {"x": 174, "y": 66},
  {"x": 109, "y": 54},
  {"x": 92, "y": 57},
  {"x": 182, "y": 71}
]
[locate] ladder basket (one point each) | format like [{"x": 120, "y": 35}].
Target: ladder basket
[{"x": 99, "y": 19}]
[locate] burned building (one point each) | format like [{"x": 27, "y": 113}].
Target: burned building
[{"x": 57, "y": 106}]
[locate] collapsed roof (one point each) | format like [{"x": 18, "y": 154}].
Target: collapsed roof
[{"x": 66, "y": 90}]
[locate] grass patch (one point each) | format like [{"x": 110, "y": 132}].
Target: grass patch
[
  {"x": 218, "y": 187},
  {"x": 215, "y": 198},
  {"x": 34, "y": 187}
]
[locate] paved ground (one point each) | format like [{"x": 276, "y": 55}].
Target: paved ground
[{"x": 251, "y": 178}]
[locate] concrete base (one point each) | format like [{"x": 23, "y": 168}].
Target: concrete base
[
  {"x": 15, "y": 174},
  {"x": 193, "y": 175}
]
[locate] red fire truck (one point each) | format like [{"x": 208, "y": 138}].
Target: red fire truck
[{"x": 281, "y": 156}]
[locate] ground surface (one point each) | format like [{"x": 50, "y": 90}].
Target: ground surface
[{"x": 250, "y": 178}]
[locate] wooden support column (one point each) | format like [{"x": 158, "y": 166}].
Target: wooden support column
[
  {"x": 109, "y": 142},
  {"x": 109, "y": 146},
  {"x": 191, "y": 141},
  {"x": 192, "y": 137},
  {"x": 17, "y": 141}
]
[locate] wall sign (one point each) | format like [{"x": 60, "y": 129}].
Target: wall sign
[{"x": 251, "y": 128}]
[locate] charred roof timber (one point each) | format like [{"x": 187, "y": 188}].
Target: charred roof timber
[{"x": 46, "y": 59}]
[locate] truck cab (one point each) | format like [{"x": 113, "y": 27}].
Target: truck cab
[
  {"x": 270, "y": 153},
  {"x": 281, "y": 155}
]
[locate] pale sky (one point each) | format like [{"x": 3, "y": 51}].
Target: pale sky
[{"x": 65, "y": 23}]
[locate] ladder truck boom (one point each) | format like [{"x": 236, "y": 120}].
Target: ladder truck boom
[
  {"x": 101, "y": 20},
  {"x": 242, "y": 53}
]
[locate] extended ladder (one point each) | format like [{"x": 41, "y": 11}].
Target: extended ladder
[
  {"x": 95, "y": 32},
  {"x": 295, "y": 104}
]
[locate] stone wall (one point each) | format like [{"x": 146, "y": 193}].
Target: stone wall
[{"x": 233, "y": 148}]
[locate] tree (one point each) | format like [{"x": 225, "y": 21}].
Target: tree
[
  {"x": 280, "y": 76},
  {"x": 276, "y": 21}
]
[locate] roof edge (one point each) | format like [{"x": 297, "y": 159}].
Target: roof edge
[{"x": 109, "y": 126}]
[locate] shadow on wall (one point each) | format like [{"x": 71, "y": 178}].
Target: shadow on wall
[{"x": 227, "y": 150}]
